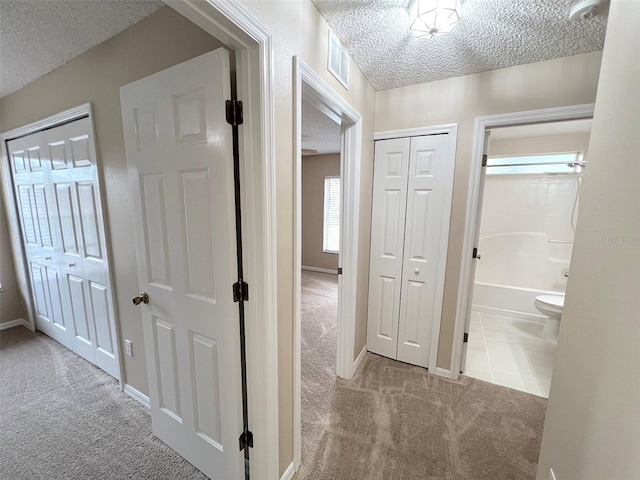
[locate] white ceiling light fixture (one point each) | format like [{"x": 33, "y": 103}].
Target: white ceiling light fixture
[{"x": 433, "y": 17}]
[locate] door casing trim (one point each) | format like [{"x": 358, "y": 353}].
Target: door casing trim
[{"x": 319, "y": 93}]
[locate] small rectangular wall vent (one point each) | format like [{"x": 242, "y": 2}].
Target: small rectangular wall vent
[{"x": 338, "y": 60}]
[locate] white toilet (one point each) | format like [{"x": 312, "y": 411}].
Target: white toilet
[{"x": 551, "y": 306}]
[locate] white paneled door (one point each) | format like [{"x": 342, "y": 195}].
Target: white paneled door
[
  {"x": 387, "y": 244},
  {"x": 179, "y": 154},
  {"x": 410, "y": 218},
  {"x": 57, "y": 191}
]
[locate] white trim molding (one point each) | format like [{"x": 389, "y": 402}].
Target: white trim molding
[
  {"x": 482, "y": 124},
  {"x": 319, "y": 269},
  {"x": 137, "y": 395},
  {"x": 15, "y": 323},
  {"x": 358, "y": 360},
  {"x": 442, "y": 372},
  {"x": 316, "y": 91},
  {"x": 289, "y": 472}
]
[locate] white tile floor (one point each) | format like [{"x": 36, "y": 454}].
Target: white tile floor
[{"x": 509, "y": 352}]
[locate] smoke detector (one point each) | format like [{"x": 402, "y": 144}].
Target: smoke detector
[{"x": 587, "y": 9}]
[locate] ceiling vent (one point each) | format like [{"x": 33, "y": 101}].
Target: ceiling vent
[{"x": 338, "y": 60}]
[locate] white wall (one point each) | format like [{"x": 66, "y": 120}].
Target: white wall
[{"x": 592, "y": 428}]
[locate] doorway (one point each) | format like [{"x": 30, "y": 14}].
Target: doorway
[
  {"x": 529, "y": 210},
  {"x": 481, "y": 151},
  {"x": 323, "y": 99}
]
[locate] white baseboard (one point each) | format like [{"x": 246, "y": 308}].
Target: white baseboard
[
  {"x": 288, "y": 473},
  {"x": 137, "y": 395},
  {"x": 15, "y": 323},
  {"x": 356, "y": 364},
  {"x": 318, "y": 269},
  {"x": 443, "y": 372}
]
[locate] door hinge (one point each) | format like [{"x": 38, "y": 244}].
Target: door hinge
[
  {"x": 246, "y": 440},
  {"x": 475, "y": 253},
  {"x": 484, "y": 158},
  {"x": 240, "y": 291},
  {"x": 234, "y": 112},
  {"x": 339, "y": 270},
  {"x": 465, "y": 339}
]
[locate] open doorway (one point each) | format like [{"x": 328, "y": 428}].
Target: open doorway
[
  {"x": 527, "y": 212},
  {"x": 321, "y": 214},
  {"x": 336, "y": 244}
]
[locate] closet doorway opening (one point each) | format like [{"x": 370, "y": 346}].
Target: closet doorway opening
[{"x": 328, "y": 139}]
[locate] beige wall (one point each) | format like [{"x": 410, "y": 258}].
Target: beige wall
[
  {"x": 12, "y": 305},
  {"x": 314, "y": 170},
  {"x": 544, "y": 144},
  {"x": 555, "y": 83},
  {"x": 154, "y": 44},
  {"x": 299, "y": 29},
  {"x": 592, "y": 428}
]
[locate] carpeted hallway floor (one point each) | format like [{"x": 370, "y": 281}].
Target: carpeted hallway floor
[
  {"x": 62, "y": 418},
  {"x": 396, "y": 421}
]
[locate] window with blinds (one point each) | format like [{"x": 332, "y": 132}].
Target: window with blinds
[{"x": 331, "y": 217}]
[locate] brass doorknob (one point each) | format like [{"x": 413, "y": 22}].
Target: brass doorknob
[{"x": 143, "y": 298}]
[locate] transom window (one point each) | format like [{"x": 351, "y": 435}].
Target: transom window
[{"x": 570, "y": 162}]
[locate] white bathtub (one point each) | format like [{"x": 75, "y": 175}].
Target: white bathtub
[
  {"x": 514, "y": 302},
  {"x": 515, "y": 268}
]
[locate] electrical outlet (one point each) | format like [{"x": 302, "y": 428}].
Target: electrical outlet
[{"x": 128, "y": 348}]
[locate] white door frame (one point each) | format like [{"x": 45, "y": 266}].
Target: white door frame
[
  {"x": 19, "y": 255},
  {"x": 321, "y": 95},
  {"x": 451, "y": 130},
  {"x": 482, "y": 124}
]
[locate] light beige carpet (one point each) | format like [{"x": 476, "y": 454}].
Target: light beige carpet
[
  {"x": 396, "y": 421},
  {"x": 62, "y": 418}
]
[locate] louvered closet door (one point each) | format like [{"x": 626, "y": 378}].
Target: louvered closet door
[
  {"x": 56, "y": 184},
  {"x": 28, "y": 159},
  {"x": 75, "y": 187},
  {"x": 387, "y": 244},
  {"x": 429, "y": 171}
]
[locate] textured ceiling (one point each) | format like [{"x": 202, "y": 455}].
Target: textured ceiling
[
  {"x": 38, "y": 36},
  {"x": 491, "y": 34},
  {"x": 319, "y": 132}
]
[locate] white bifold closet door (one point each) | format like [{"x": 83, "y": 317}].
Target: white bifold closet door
[
  {"x": 58, "y": 198},
  {"x": 410, "y": 222}
]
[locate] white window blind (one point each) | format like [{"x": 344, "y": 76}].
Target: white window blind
[{"x": 331, "y": 218}]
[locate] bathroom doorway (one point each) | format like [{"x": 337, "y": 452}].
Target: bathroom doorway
[{"x": 528, "y": 209}]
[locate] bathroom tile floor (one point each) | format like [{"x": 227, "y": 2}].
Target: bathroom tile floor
[{"x": 509, "y": 352}]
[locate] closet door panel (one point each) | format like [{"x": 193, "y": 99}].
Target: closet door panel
[
  {"x": 428, "y": 175},
  {"x": 387, "y": 244}
]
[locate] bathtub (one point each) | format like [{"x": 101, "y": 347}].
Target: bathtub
[
  {"x": 514, "y": 269},
  {"x": 508, "y": 301}
]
